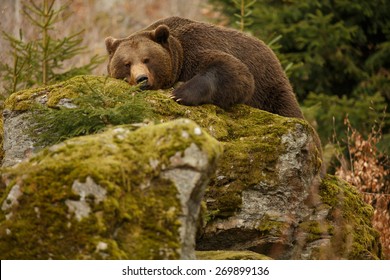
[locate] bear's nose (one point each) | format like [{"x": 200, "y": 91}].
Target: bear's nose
[{"x": 141, "y": 79}]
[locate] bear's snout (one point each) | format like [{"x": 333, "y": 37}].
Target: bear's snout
[
  {"x": 140, "y": 75},
  {"x": 141, "y": 79}
]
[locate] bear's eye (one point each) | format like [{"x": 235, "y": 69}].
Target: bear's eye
[
  {"x": 128, "y": 65},
  {"x": 145, "y": 60}
]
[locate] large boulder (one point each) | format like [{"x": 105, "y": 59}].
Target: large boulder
[
  {"x": 266, "y": 195},
  {"x": 115, "y": 195}
]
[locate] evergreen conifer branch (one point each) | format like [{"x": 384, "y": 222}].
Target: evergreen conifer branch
[
  {"x": 245, "y": 13},
  {"x": 95, "y": 108}
]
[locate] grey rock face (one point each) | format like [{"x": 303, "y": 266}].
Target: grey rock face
[{"x": 17, "y": 144}]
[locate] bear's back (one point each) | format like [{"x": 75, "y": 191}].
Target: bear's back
[
  {"x": 273, "y": 90},
  {"x": 198, "y": 36}
]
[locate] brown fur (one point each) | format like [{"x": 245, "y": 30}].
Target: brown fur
[{"x": 218, "y": 65}]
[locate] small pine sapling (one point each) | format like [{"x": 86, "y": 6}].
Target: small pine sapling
[{"x": 40, "y": 61}]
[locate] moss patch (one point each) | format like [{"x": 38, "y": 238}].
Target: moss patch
[
  {"x": 353, "y": 236},
  {"x": 70, "y": 89},
  {"x": 314, "y": 230},
  {"x": 230, "y": 255},
  {"x": 269, "y": 226}
]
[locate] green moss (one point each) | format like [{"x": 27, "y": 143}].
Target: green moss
[
  {"x": 314, "y": 230},
  {"x": 352, "y": 234},
  {"x": 208, "y": 117},
  {"x": 132, "y": 222},
  {"x": 270, "y": 226},
  {"x": 70, "y": 89},
  {"x": 230, "y": 255}
]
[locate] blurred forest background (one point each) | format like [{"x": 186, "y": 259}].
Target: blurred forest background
[{"x": 335, "y": 52}]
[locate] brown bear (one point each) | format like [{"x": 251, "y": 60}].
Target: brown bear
[{"x": 218, "y": 65}]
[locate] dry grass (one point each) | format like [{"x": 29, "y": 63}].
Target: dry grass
[{"x": 368, "y": 170}]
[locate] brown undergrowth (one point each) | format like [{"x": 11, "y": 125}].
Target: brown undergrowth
[{"x": 366, "y": 168}]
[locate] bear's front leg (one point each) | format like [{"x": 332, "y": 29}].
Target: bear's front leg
[{"x": 222, "y": 80}]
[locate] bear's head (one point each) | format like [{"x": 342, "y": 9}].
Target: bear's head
[{"x": 151, "y": 58}]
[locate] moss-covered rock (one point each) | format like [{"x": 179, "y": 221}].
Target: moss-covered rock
[
  {"x": 264, "y": 195},
  {"x": 115, "y": 195},
  {"x": 348, "y": 223}
]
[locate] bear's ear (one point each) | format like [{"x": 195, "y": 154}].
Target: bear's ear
[
  {"x": 161, "y": 34},
  {"x": 111, "y": 44}
]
